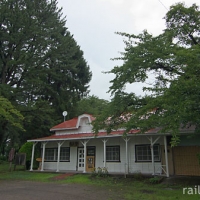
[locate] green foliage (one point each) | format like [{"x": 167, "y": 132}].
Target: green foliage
[
  {"x": 100, "y": 172},
  {"x": 42, "y": 69},
  {"x": 9, "y": 114},
  {"x": 91, "y": 105},
  {"x": 2, "y": 159},
  {"x": 27, "y": 148},
  {"x": 170, "y": 64},
  {"x": 11, "y": 123},
  {"x": 138, "y": 176},
  {"x": 155, "y": 180}
]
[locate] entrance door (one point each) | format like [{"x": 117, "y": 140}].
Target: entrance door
[
  {"x": 80, "y": 159},
  {"x": 90, "y": 160}
]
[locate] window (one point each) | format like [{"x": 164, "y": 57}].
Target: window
[
  {"x": 64, "y": 154},
  {"x": 52, "y": 154},
  {"x": 113, "y": 153},
  {"x": 90, "y": 151},
  {"x": 143, "y": 153}
]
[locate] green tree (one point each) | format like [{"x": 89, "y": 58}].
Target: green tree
[
  {"x": 171, "y": 59},
  {"x": 91, "y": 105},
  {"x": 10, "y": 122},
  {"x": 42, "y": 69}
]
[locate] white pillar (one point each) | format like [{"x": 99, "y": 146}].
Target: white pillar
[
  {"x": 166, "y": 157},
  {"x": 43, "y": 153},
  {"x": 126, "y": 164},
  {"x": 104, "y": 151},
  {"x": 58, "y": 158},
  {"x": 152, "y": 153},
  {"x": 85, "y": 153},
  {"x": 33, "y": 151},
  {"x": 152, "y": 157}
]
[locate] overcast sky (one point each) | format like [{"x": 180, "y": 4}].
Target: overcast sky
[{"x": 94, "y": 23}]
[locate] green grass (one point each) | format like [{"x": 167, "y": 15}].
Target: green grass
[
  {"x": 21, "y": 174},
  {"x": 78, "y": 178},
  {"x": 129, "y": 188}
]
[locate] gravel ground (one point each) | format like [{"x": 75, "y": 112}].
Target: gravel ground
[{"x": 27, "y": 190}]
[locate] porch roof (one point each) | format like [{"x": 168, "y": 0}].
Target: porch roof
[{"x": 103, "y": 134}]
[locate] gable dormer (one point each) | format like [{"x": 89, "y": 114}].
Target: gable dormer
[{"x": 80, "y": 124}]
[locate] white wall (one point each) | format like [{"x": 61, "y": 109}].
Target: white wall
[
  {"x": 118, "y": 167},
  {"x": 62, "y": 165}
]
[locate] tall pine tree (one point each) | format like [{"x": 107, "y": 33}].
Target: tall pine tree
[{"x": 42, "y": 69}]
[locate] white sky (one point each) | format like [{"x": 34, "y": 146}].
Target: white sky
[{"x": 94, "y": 23}]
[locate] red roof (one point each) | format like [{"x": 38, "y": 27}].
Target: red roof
[
  {"x": 71, "y": 124},
  {"x": 67, "y": 124}
]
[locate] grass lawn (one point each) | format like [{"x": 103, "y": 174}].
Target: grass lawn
[{"x": 135, "y": 188}]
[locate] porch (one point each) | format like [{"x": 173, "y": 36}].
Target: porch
[{"x": 101, "y": 144}]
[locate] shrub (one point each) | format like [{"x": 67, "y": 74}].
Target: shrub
[
  {"x": 138, "y": 175},
  {"x": 100, "y": 172},
  {"x": 155, "y": 180},
  {"x": 27, "y": 148},
  {"x": 3, "y": 158}
]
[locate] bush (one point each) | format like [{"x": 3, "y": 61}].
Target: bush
[
  {"x": 27, "y": 148},
  {"x": 100, "y": 172},
  {"x": 155, "y": 180},
  {"x": 138, "y": 176},
  {"x": 3, "y": 158}
]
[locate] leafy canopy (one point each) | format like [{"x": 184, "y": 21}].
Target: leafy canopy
[
  {"x": 172, "y": 60},
  {"x": 42, "y": 68},
  {"x": 91, "y": 105}
]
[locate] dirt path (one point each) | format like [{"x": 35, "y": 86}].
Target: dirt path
[{"x": 27, "y": 190}]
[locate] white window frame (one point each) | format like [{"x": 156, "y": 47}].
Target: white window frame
[
  {"x": 143, "y": 153},
  {"x": 51, "y": 154},
  {"x": 65, "y": 154},
  {"x": 113, "y": 150}
]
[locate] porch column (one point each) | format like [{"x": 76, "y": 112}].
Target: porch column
[
  {"x": 126, "y": 164},
  {"x": 104, "y": 151},
  {"x": 33, "y": 151},
  {"x": 166, "y": 157},
  {"x": 58, "y": 159},
  {"x": 85, "y": 153},
  {"x": 152, "y": 153},
  {"x": 43, "y": 153}
]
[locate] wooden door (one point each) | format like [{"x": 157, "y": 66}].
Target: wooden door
[
  {"x": 90, "y": 160},
  {"x": 90, "y": 163}
]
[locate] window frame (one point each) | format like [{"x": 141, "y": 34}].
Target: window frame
[
  {"x": 147, "y": 146},
  {"x": 65, "y": 160},
  {"x": 118, "y": 149},
  {"x": 55, "y": 152}
]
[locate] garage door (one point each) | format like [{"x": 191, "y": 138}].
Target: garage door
[{"x": 186, "y": 161}]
